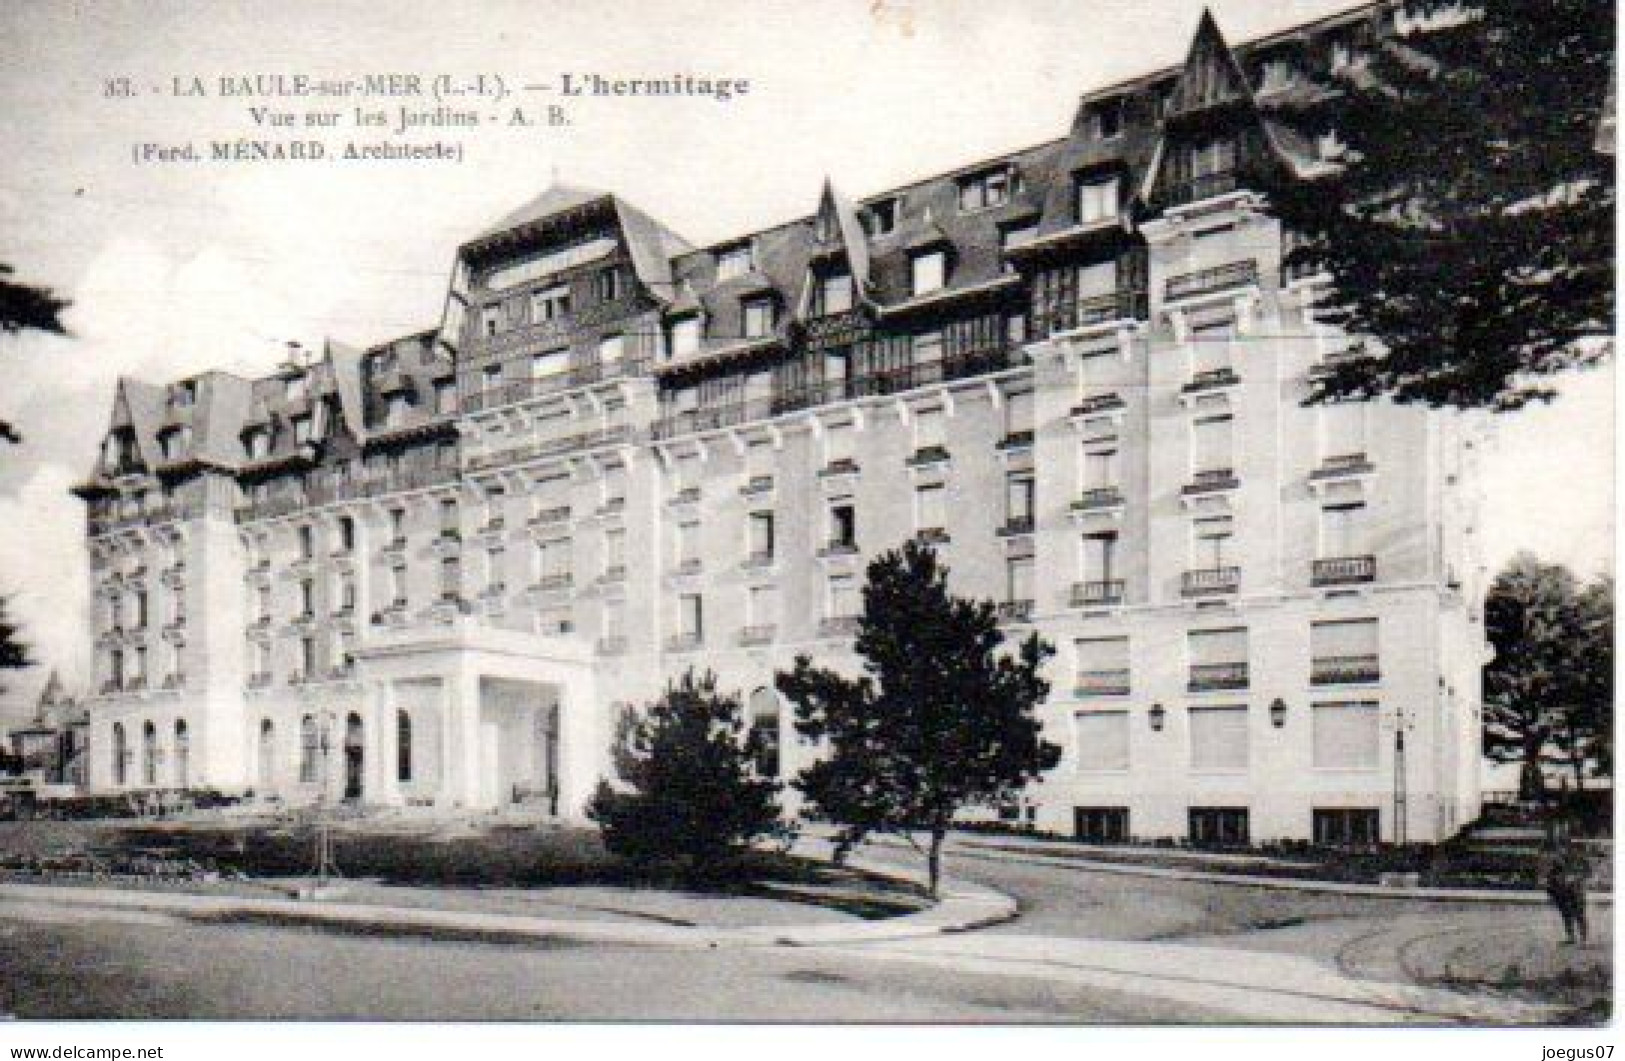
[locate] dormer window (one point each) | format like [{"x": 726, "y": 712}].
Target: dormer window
[
  {"x": 824, "y": 228},
  {"x": 608, "y": 285},
  {"x": 182, "y": 395},
  {"x": 928, "y": 272},
  {"x": 174, "y": 442},
  {"x": 491, "y": 322},
  {"x": 550, "y": 304},
  {"x": 1276, "y": 73},
  {"x": 832, "y": 293},
  {"x": 1103, "y": 120},
  {"x": 757, "y": 316},
  {"x": 684, "y": 337},
  {"x": 302, "y": 430},
  {"x": 395, "y": 410},
  {"x": 1097, "y": 199},
  {"x": 445, "y": 395},
  {"x": 986, "y": 189},
  {"x": 257, "y": 442},
  {"x": 882, "y": 216},
  {"x": 296, "y": 387},
  {"x": 734, "y": 262}
]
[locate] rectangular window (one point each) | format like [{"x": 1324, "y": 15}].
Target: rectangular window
[
  {"x": 1018, "y": 498},
  {"x": 839, "y": 443},
  {"x": 761, "y": 535},
  {"x": 759, "y": 607},
  {"x": 1345, "y": 735},
  {"x": 1018, "y": 414},
  {"x": 1347, "y": 826},
  {"x": 302, "y": 429},
  {"x": 832, "y": 294},
  {"x": 929, "y": 429},
  {"x": 1102, "y": 665},
  {"x": 614, "y": 548},
  {"x": 1219, "y": 738},
  {"x": 494, "y": 559},
  {"x": 843, "y": 525},
  {"x": 1018, "y": 579},
  {"x": 691, "y": 616},
  {"x": 1210, "y": 343},
  {"x": 451, "y": 578},
  {"x": 607, "y": 284},
  {"x": 930, "y": 508},
  {"x": 1219, "y": 826},
  {"x": 553, "y": 558},
  {"x": 307, "y": 597},
  {"x": 1101, "y": 740},
  {"x": 550, "y": 304},
  {"x": 1342, "y": 431},
  {"x": 1343, "y": 531},
  {"x": 844, "y": 601},
  {"x": 1099, "y": 469},
  {"x": 929, "y": 272},
  {"x": 688, "y": 543},
  {"x": 610, "y": 348},
  {"x": 549, "y": 363},
  {"x": 1100, "y": 557},
  {"x": 1100, "y": 825},
  {"x": 684, "y": 337},
  {"x": 307, "y": 656},
  {"x": 1104, "y": 120},
  {"x": 758, "y": 316},
  {"x": 1211, "y": 541},
  {"x": 397, "y": 586},
  {"x": 1097, "y": 200},
  {"x": 1212, "y": 444},
  {"x": 615, "y": 483},
  {"x": 983, "y": 190},
  {"x": 734, "y": 262},
  {"x": 881, "y": 216},
  {"x": 448, "y": 517}
]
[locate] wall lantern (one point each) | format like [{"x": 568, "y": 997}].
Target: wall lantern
[
  {"x": 1278, "y": 712},
  {"x": 1158, "y": 716}
]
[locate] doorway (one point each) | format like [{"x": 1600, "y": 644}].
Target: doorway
[{"x": 353, "y": 757}]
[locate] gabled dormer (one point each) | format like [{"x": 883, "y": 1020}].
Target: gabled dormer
[{"x": 838, "y": 268}]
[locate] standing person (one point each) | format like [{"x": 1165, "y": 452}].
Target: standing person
[{"x": 1568, "y": 871}]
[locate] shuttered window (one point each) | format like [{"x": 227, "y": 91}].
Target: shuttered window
[
  {"x": 1219, "y": 739},
  {"x": 1211, "y": 444},
  {"x": 1345, "y": 735},
  {"x": 1102, "y": 740}
]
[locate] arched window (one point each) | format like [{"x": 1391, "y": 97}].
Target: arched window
[
  {"x": 267, "y": 753},
  {"x": 403, "y": 746},
  {"x": 183, "y": 754},
  {"x": 121, "y": 755},
  {"x": 149, "y": 753},
  {"x": 763, "y": 738},
  {"x": 307, "y": 749}
]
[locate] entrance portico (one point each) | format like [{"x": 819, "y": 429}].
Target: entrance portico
[{"x": 477, "y": 717}]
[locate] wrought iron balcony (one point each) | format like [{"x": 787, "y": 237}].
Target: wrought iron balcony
[
  {"x": 1098, "y": 403},
  {"x": 683, "y": 642},
  {"x": 1208, "y": 580},
  {"x": 756, "y": 484},
  {"x": 1016, "y": 440},
  {"x": 760, "y": 634},
  {"x": 1016, "y": 610},
  {"x": 842, "y": 466},
  {"x": 1211, "y": 480},
  {"x": 1097, "y": 591},
  {"x": 614, "y": 573},
  {"x": 1343, "y": 570},
  {"x": 1207, "y": 677},
  {"x": 838, "y": 626},
  {"x": 1110, "y": 682},
  {"x": 931, "y": 535},
  {"x": 928, "y": 455},
  {"x": 1098, "y": 497},
  {"x": 1344, "y": 464},
  {"x": 547, "y": 516},
  {"x": 1212, "y": 379},
  {"x": 839, "y": 547},
  {"x": 1207, "y": 186},
  {"x": 1344, "y": 670},
  {"x": 688, "y": 495},
  {"x": 1211, "y": 281},
  {"x": 1016, "y": 525},
  {"x": 1089, "y": 312}
]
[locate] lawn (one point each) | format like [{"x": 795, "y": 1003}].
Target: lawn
[{"x": 491, "y": 867}]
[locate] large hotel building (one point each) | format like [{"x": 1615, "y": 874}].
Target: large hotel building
[{"x": 432, "y": 572}]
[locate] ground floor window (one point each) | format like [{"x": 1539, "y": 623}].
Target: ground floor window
[
  {"x": 1347, "y": 826},
  {"x": 1100, "y": 825},
  {"x": 307, "y": 749},
  {"x": 1218, "y": 826}
]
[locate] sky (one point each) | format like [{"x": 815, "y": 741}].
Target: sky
[{"x": 178, "y": 267}]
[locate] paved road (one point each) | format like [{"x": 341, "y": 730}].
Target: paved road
[{"x": 1090, "y": 947}]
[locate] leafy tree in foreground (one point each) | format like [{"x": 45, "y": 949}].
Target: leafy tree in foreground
[
  {"x": 691, "y": 791},
  {"x": 1548, "y": 693},
  {"x": 1468, "y": 229},
  {"x": 13, "y": 651},
  {"x": 940, "y": 720},
  {"x": 25, "y": 307}
]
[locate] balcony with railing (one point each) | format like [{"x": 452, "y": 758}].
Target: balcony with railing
[
  {"x": 1211, "y": 379},
  {"x": 1344, "y": 670},
  {"x": 685, "y": 642},
  {"x": 927, "y": 455},
  {"x": 1016, "y": 611},
  {"x": 1210, "y": 480},
  {"x": 838, "y": 626},
  {"x": 548, "y": 517},
  {"x": 838, "y": 467},
  {"x": 1211, "y": 281},
  {"x": 1015, "y": 440},
  {"x": 1211, "y": 677},
  {"x": 688, "y": 495},
  {"x": 1098, "y": 497},
  {"x": 756, "y": 485},
  {"x": 582, "y": 375},
  {"x": 759, "y": 634},
  {"x": 1197, "y": 189},
  {"x": 1093, "y": 592},
  {"x": 1343, "y": 570},
  {"x": 932, "y": 535},
  {"x": 1095, "y": 404},
  {"x": 1015, "y": 526},
  {"x": 1203, "y": 581},
  {"x": 613, "y": 573},
  {"x": 1092, "y": 311},
  {"x": 1342, "y": 466},
  {"x": 1105, "y": 682},
  {"x": 354, "y": 488}
]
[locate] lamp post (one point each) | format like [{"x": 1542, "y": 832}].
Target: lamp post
[
  {"x": 1401, "y": 722},
  {"x": 326, "y": 866}
]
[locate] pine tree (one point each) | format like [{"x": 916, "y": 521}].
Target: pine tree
[
  {"x": 690, "y": 792},
  {"x": 26, "y": 307},
  {"x": 1468, "y": 227},
  {"x": 940, "y": 720},
  {"x": 1548, "y": 692},
  {"x": 13, "y": 651}
]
